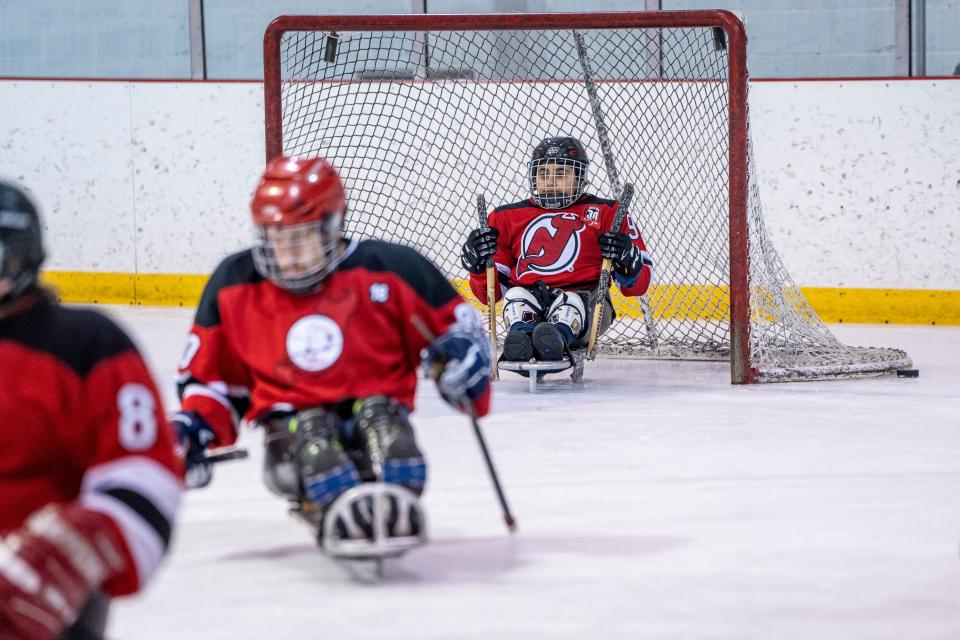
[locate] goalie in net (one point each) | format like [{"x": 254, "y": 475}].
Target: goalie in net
[{"x": 548, "y": 249}]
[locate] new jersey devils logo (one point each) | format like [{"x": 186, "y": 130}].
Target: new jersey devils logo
[{"x": 550, "y": 244}]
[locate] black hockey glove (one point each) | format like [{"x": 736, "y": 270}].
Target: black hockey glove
[
  {"x": 195, "y": 436},
  {"x": 480, "y": 245},
  {"x": 625, "y": 255}
]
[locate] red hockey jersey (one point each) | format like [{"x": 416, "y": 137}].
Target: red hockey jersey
[
  {"x": 256, "y": 348},
  {"x": 81, "y": 419},
  {"x": 558, "y": 246}
]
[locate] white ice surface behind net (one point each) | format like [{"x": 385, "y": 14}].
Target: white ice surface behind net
[{"x": 655, "y": 501}]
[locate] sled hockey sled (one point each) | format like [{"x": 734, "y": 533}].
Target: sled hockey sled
[
  {"x": 381, "y": 545},
  {"x": 534, "y": 370}
]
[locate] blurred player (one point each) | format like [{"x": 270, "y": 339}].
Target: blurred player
[
  {"x": 89, "y": 478},
  {"x": 317, "y": 338},
  {"x": 548, "y": 250}
]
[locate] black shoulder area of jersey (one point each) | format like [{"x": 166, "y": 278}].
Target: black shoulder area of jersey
[
  {"x": 521, "y": 204},
  {"x": 79, "y": 338},
  {"x": 235, "y": 269},
  {"x": 421, "y": 274},
  {"x": 592, "y": 199}
]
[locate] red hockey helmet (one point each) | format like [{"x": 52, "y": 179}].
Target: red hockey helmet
[{"x": 298, "y": 210}]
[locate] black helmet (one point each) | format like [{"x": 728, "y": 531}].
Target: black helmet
[
  {"x": 21, "y": 247},
  {"x": 563, "y": 150}
]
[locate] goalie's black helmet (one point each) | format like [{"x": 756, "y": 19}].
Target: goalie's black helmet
[
  {"x": 560, "y": 150},
  {"x": 21, "y": 244}
]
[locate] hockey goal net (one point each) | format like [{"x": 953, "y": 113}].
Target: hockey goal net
[{"x": 421, "y": 113}]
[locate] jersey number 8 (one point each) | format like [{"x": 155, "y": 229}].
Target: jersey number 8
[{"x": 138, "y": 420}]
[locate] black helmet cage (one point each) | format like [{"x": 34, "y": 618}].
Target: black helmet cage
[
  {"x": 564, "y": 150},
  {"x": 21, "y": 246}
]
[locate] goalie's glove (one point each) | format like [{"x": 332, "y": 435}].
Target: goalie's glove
[
  {"x": 460, "y": 363},
  {"x": 50, "y": 567},
  {"x": 194, "y": 435},
  {"x": 481, "y": 244},
  {"x": 627, "y": 261}
]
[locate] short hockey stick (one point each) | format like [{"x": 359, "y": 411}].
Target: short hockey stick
[
  {"x": 227, "y": 455},
  {"x": 491, "y": 289},
  {"x": 508, "y": 518},
  {"x": 435, "y": 373},
  {"x": 604, "y": 287},
  {"x": 224, "y": 454}
]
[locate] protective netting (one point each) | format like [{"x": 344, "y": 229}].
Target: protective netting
[{"x": 420, "y": 123}]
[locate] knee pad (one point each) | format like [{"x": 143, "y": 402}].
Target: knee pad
[
  {"x": 568, "y": 309},
  {"x": 305, "y": 459},
  {"x": 279, "y": 469},
  {"x": 324, "y": 468},
  {"x": 389, "y": 441},
  {"x": 521, "y": 306}
]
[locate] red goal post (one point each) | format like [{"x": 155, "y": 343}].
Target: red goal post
[{"x": 342, "y": 85}]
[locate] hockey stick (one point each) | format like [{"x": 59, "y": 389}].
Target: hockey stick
[
  {"x": 508, "y": 518},
  {"x": 604, "y": 287},
  {"x": 612, "y": 174},
  {"x": 223, "y": 454},
  {"x": 467, "y": 408},
  {"x": 491, "y": 288},
  {"x": 226, "y": 455},
  {"x": 608, "y": 160}
]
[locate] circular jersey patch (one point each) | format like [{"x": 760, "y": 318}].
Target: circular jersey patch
[{"x": 314, "y": 343}]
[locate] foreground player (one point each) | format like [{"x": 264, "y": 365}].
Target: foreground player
[
  {"x": 548, "y": 250},
  {"x": 89, "y": 478},
  {"x": 317, "y": 338}
]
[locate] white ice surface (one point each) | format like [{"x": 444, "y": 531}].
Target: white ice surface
[{"x": 654, "y": 501}]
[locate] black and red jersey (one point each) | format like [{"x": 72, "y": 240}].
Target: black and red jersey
[
  {"x": 558, "y": 246},
  {"x": 81, "y": 420},
  {"x": 256, "y": 347}
]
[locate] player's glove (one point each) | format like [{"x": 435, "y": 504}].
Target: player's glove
[
  {"x": 460, "y": 362},
  {"x": 481, "y": 244},
  {"x": 194, "y": 435},
  {"x": 627, "y": 261},
  {"x": 50, "y": 567}
]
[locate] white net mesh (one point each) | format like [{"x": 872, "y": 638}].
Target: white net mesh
[{"x": 420, "y": 123}]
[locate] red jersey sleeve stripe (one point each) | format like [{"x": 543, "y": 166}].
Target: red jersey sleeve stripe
[
  {"x": 145, "y": 521},
  {"x": 215, "y": 409},
  {"x": 213, "y": 392}
]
